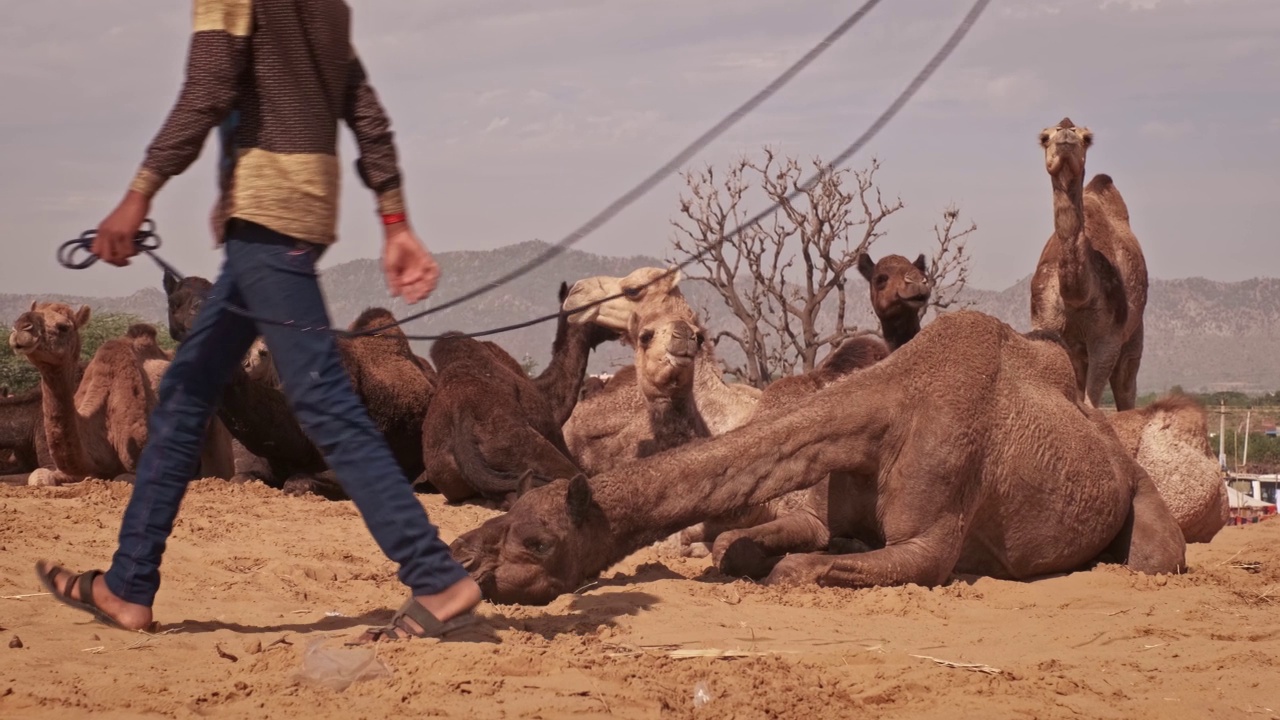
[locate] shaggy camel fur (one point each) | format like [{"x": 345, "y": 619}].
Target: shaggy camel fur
[
  {"x": 967, "y": 451},
  {"x": 99, "y": 427},
  {"x": 394, "y": 383},
  {"x": 490, "y": 422},
  {"x": 1090, "y": 285},
  {"x": 1170, "y": 438}
]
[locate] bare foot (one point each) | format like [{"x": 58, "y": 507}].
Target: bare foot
[
  {"x": 451, "y": 603},
  {"x": 126, "y": 614}
]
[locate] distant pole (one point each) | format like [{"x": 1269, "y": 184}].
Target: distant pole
[
  {"x": 1222, "y": 434},
  {"x": 1245, "y": 460}
]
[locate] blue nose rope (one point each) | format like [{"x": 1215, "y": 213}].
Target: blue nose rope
[{"x": 147, "y": 241}]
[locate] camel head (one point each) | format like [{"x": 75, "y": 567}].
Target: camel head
[
  {"x": 899, "y": 287},
  {"x": 667, "y": 337},
  {"x": 49, "y": 334},
  {"x": 616, "y": 313},
  {"x": 543, "y": 547},
  {"x": 258, "y": 365},
  {"x": 186, "y": 296},
  {"x": 1065, "y": 146}
]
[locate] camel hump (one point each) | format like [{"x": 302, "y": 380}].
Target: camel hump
[
  {"x": 856, "y": 353},
  {"x": 1104, "y": 188}
]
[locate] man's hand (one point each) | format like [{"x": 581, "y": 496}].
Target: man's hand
[
  {"x": 411, "y": 271},
  {"x": 114, "y": 241}
]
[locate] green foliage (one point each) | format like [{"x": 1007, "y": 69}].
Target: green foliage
[{"x": 19, "y": 375}]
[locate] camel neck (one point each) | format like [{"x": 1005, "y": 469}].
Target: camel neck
[
  {"x": 898, "y": 330},
  {"x": 643, "y": 501},
  {"x": 673, "y": 423},
  {"x": 561, "y": 381},
  {"x": 62, "y": 421},
  {"x": 1068, "y": 228}
]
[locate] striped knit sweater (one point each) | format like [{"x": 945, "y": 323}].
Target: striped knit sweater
[{"x": 277, "y": 76}]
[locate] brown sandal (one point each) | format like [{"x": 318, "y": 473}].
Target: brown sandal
[
  {"x": 430, "y": 624},
  {"x": 85, "y": 582}
]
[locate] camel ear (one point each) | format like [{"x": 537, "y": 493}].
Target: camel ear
[
  {"x": 564, "y": 291},
  {"x": 578, "y": 499},
  {"x": 525, "y": 483},
  {"x": 920, "y": 263},
  {"x": 633, "y": 330},
  {"x": 866, "y": 266},
  {"x": 33, "y": 305},
  {"x": 82, "y": 317},
  {"x": 170, "y": 283}
]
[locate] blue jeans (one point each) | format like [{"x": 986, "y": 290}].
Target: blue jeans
[{"x": 273, "y": 276}]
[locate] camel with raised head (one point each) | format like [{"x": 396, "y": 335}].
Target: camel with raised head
[
  {"x": 490, "y": 422},
  {"x": 1090, "y": 285},
  {"x": 965, "y": 451},
  {"x": 98, "y": 427}
]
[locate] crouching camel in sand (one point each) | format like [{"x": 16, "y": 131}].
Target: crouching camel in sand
[
  {"x": 1170, "y": 438},
  {"x": 966, "y": 451},
  {"x": 1090, "y": 285},
  {"x": 489, "y": 422},
  {"x": 395, "y": 385},
  {"x": 98, "y": 428}
]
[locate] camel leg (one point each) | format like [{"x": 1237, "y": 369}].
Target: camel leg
[
  {"x": 753, "y": 552},
  {"x": 492, "y": 463},
  {"x": 1150, "y": 541},
  {"x": 1124, "y": 377},
  {"x": 926, "y": 561},
  {"x": 217, "y": 459},
  {"x": 1103, "y": 357}
]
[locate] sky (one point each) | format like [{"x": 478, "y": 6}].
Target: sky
[{"x": 520, "y": 119}]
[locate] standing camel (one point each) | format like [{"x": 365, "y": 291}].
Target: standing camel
[{"x": 1090, "y": 286}]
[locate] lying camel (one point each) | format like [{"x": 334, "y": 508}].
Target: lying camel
[
  {"x": 490, "y": 422},
  {"x": 967, "y": 451},
  {"x": 614, "y": 417},
  {"x": 257, "y": 415},
  {"x": 1170, "y": 439},
  {"x": 395, "y": 384},
  {"x": 98, "y": 427}
]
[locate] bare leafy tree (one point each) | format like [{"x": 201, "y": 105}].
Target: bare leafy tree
[
  {"x": 785, "y": 279},
  {"x": 949, "y": 268}
]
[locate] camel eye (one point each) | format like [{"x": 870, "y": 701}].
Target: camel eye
[
  {"x": 631, "y": 292},
  {"x": 536, "y": 545},
  {"x": 1044, "y": 139},
  {"x": 882, "y": 280},
  {"x": 62, "y": 327},
  {"x": 646, "y": 337},
  {"x": 700, "y": 338}
]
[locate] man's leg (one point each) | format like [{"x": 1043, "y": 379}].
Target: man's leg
[
  {"x": 188, "y": 396},
  {"x": 277, "y": 279}
]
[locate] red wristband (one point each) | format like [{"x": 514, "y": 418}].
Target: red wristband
[{"x": 393, "y": 218}]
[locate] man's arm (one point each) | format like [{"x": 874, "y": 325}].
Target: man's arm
[
  {"x": 378, "y": 164},
  {"x": 217, "y": 56}
]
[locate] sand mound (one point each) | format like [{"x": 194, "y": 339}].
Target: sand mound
[{"x": 252, "y": 576}]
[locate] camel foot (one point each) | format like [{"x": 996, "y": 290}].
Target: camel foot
[
  {"x": 298, "y": 486},
  {"x": 743, "y": 558},
  {"x": 697, "y": 550},
  {"x": 126, "y": 478},
  {"x": 802, "y": 569},
  {"x": 43, "y": 477},
  {"x": 847, "y": 546}
]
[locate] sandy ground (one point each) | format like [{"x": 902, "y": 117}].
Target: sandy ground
[{"x": 252, "y": 577}]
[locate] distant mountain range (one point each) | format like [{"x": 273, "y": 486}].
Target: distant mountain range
[{"x": 1200, "y": 334}]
